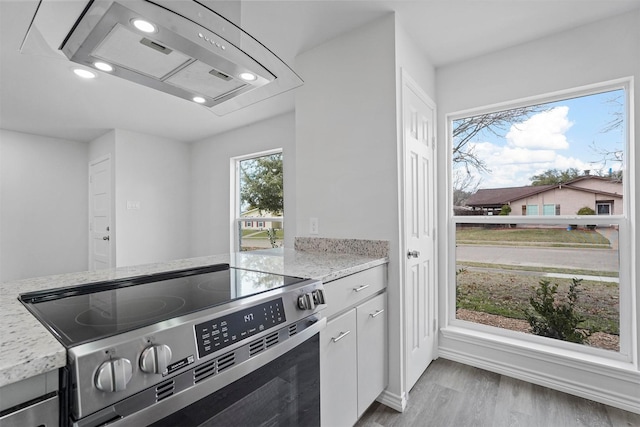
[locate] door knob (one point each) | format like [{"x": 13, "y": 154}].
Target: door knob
[
  {"x": 105, "y": 237},
  {"x": 413, "y": 254}
]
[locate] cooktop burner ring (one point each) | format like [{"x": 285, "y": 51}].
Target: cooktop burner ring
[{"x": 131, "y": 312}]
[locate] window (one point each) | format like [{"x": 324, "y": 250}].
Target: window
[
  {"x": 549, "y": 210},
  {"x": 550, "y": 158},
  {"x": 259, "y": 195},
  {"x": 603, "y": 208}
]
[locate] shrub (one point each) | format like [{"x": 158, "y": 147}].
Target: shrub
[
  {"x": 554, "y": 319},
  {"x": 586, "y": 211}
]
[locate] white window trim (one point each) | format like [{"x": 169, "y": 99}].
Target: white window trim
[
  {"x": 235, "y": 219},
  {"x": 551, "y": 350}
]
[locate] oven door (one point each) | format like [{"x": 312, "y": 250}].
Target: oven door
[
  {"x": 280, "y": 387},
  {"x": 284, "y": 392}
]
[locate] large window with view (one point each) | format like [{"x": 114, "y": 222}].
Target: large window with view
[
  {"x": 540, "y": 218},
  {"x": 259, "y": 207}
]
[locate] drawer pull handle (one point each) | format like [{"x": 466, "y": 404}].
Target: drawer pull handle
[
  {"x": 361, "y": 288},
  {"x": 377, "y": 313},
  {"x": 339, "y": 337}
]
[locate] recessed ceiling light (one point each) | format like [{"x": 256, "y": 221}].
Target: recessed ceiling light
[
  {"x": 144, "y": 26},
  {"x": 199, "y": 99},
  {"x": 103, "y": 66},
  {"x": 248, "y": 77},
  {"x": 85, "y": 74}
]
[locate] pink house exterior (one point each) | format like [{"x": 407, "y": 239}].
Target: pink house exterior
[{"x": 603, "y": 195}]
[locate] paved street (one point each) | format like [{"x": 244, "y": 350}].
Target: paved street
[{"x": 590, "y": 259}]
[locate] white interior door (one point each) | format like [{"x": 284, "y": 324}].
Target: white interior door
[
  {"x": 418, "y": 115},
  {"x": 100, "y": 235}
]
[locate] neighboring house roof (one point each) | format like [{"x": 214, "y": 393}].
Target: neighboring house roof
[
  {"x": 256, "y": 213},
  {"x": 496, "y": 197}
]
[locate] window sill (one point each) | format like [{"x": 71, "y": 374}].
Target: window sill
[
  {"x": 526, "y": 347},
  {"x": 598, "y": 378}
]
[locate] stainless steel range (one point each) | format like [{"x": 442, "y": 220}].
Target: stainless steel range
[{"x": 183, "y": 347}]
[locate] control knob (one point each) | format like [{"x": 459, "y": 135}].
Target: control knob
[
  {"x": 155, "y": 359},
  {"x": 310, "y": 300},
  {"x": 113, "y": 375},
  {"x": 306, "y": 302},
  {"x": 318, "y": 296}
]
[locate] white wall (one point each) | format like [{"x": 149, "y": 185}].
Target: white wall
[
  {"x": 43, "y": 206},
  {"x": 155, "y": 172},
  {"x": 347, "y": 135},
  {"x": 211, "y": 180},
  {"x": 602, "y": 51}
]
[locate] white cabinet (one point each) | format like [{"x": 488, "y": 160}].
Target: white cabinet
[
  {"x": 372, "y": 350},
  {"x": 339, "y": 372},
  {"x": 353, "y": 347}
]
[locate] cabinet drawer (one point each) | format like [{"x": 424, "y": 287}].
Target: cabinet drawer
[
  {"x": 350, "y": 290},
  {"x": 41, "y": 414}
]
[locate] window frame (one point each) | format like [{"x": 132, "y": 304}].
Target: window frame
[
  {"x": 609, "y": 204},
  {"x": 236, "y": 220},
  {"x": 625, "y": 223}
]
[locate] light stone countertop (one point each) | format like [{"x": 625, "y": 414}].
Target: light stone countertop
[{"x": 27, "y": 348}]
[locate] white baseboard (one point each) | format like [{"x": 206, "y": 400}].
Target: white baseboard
[{"x": 393, "y": 401}]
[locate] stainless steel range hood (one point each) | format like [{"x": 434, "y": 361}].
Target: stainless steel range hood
[{"x": 188, "y": 50}]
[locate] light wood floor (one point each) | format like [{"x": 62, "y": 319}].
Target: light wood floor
[{"x": 450, "y": 394}]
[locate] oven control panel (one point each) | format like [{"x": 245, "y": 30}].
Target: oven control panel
[{"x": 218, "y": 333}]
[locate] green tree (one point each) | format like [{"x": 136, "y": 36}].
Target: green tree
[
  {"x": 262, "y": 184},
  {"x": 555, "y": 176}
]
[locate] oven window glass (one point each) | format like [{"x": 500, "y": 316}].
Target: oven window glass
[{"x": 284, "y": 392}]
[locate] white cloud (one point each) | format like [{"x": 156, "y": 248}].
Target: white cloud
[
  {"x": 514, "y": 166},
  {"x": 545, "y": 130},
  {"x": 530, "y": 148}
]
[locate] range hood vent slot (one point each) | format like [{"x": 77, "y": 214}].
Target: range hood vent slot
[{"x": 193, "y": 52}]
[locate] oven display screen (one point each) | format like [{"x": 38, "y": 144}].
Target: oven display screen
[{"x": 221, "y": 332}]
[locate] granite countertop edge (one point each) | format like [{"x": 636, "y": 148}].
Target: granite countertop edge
[{"x": 28, "y": 348}]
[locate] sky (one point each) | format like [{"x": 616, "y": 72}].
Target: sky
[{"x": 567, "y": 134}]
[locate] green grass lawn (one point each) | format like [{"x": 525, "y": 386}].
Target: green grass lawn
[
  {"x": 261, "y": 234},
  {"x": 532, "y": 236}
]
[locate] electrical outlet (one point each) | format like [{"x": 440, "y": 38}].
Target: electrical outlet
[
  {"x": 313, "y": 225},
  {"x": 133, "y": 204}
]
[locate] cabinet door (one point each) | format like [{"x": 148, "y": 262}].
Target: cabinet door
[
  {"x": 338, "y": 372},
  {"x": 372, "y": 350}
]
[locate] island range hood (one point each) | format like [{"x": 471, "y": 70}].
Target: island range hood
[{"x": 181, "y": 47}]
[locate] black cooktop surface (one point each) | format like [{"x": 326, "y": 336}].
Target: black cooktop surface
[{"x": 89, "y": 312}]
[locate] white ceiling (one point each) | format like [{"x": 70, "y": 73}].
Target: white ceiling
[{"x": 40, "y": 95}]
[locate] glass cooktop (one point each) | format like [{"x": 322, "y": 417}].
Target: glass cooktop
[{"x": 93, "y": 311}]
